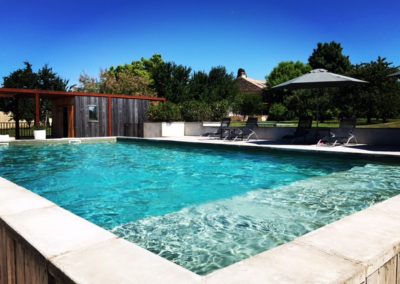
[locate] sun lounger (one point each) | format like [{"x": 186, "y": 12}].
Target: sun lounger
[
  {"x": 303, "y": 128},
  {"x": 343, "y": 135},
  {"x": 246, "y": 132},
  {"x": 222, "y": 132}
]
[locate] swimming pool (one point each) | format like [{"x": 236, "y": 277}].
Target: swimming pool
[{"x": 203, "y": 208}]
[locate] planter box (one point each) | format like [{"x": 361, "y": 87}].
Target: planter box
[
  {"x": 194, "y": 128},
  {"x": 173, "y": 129},
  {"x": 163, "y": 129},
  {"x": 39, "y": 134},
  {"x": 4, "y": 138}
]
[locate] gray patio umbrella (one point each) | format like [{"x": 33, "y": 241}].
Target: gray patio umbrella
[
  {"x": 397, "y": 74},
  {"x": 318, "y": 79}
]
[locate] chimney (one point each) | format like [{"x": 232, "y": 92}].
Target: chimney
[{"x": 241, "y": 73}]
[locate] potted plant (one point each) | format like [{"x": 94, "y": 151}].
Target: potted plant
[{"x": 39, "y": 132}]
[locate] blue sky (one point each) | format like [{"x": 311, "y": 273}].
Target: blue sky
[{"x": 84, "y": 36}]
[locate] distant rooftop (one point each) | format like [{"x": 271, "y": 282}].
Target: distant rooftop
[{"x": 248, "y": 85}]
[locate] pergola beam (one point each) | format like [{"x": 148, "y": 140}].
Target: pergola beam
[
  {"x": 37, "y": 110},
  {"x": 109, "y": 105}
]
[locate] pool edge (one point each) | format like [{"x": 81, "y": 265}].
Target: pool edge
[{"x": 297, "y": 261}]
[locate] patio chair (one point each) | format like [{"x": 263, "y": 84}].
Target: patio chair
[
  {"x": 246, "y": 132},
  {"x": 303, "y": 128},
  {"x": 342, "y": 135},
  {"x": 222, "y": 131}
]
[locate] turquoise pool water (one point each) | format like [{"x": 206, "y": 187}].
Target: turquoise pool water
[{"x": 203, "y": 208}]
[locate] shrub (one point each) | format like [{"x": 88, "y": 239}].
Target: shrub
[
  {"x": 277, "y": 112},
  {"x": 219, "y": 110},
  {"x": 248, "y": 104},
  {"x": 195, "y": 111},
  {"x": 164, "y": 112}
]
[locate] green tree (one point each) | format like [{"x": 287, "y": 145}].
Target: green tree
[
  {"x": 286, "y": 71},
  {"x": 88, "y": 84},
  {"x": 248, "y": 104},
  {"x": 142, "y": 68},
  {"x": 277, "y": 112},
  {"x": 330, "y": 56},
  {"x": 171, "y": 81},
  {"x": 215, "y": 86},
  {"x": 26, "y": 78},
  {"x": 199, "y": 86},
  {"x": 377, "y": 99},
  {"x": 295, "y": 102},
  {"x": 135, "y": 78},
  {"x": 221, "y": 85},
  {"x": 125, "y": 82}
]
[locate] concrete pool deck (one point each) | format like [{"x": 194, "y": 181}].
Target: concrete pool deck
[
  {"x": 357, "y": 149},
  {"x": 43, "y": 243}
]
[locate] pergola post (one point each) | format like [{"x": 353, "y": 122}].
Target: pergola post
[
  {"x": 109, "y": 105},
  {"x": 37, "y": 110}
]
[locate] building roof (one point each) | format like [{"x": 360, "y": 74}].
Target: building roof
[
  {"x": 249, "y": 85},
  {"x": 11, "y": 92}
]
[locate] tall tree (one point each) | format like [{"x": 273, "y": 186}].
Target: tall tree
[
  {"x": 171, "y": 81},
  {"x": 215, "y": 86},
  {"x": 221, "y": 85},
  {"x": 297, "y": 102},
  {"x": 330, "y": 56},
  {"x": 199, "y": 86},
  {"x": 125, "y": 82},
  {"x": 380, "y": 97},
  {"x": 26, "y": 78},
  {"x": 135, "y": 78},
  {"x": 285, "y": 71},
  {"x": 88, "y": 84}
]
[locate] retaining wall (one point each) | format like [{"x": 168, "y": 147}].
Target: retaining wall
[{"x": 369, "y": 136}]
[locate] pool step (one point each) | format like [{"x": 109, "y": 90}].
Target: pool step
[
  {"x": 4, "y": 144},
  {"x": 75, "y": 141}
]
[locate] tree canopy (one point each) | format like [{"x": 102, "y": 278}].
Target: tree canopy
[
  {"x": 380, "y": 97},
  {"x": 330, "y": 56},
  {"x": 25, "y": 78},
  {"x": 285, "y": 71}
]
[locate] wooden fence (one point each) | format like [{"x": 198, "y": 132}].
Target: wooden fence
[{"x": 25, "y": 129}]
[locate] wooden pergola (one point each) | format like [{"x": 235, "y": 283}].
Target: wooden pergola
[{"x": 37, "y": 94}]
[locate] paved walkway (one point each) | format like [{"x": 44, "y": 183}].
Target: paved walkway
[{"x": 351, "y": 149}]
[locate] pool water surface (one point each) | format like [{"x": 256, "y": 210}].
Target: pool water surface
[{"x": 203, "y": 208}]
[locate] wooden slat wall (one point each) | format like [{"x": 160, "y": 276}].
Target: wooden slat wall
[
  {"x": 124, "y": 111},
  {"x": 128, "y": 112},
  {"x": 387, "y": 274},
  {"x": 20, "y": 263},
  {"x": 84, "y": 127}
]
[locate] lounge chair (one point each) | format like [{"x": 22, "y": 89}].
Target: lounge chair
[
  {"x": 303, "y": 128},
  {"x": 222, "y": 131},
  {"x": 342, "y": 135},
  {"x": 246, "y": 132}
]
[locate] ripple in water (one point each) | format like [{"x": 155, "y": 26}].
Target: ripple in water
[{"x": 211, "y": 236}]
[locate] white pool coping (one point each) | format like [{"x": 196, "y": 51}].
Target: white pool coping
[
  {"x": 349, "y": 250},
  {"x": 357, "y": 149}
]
